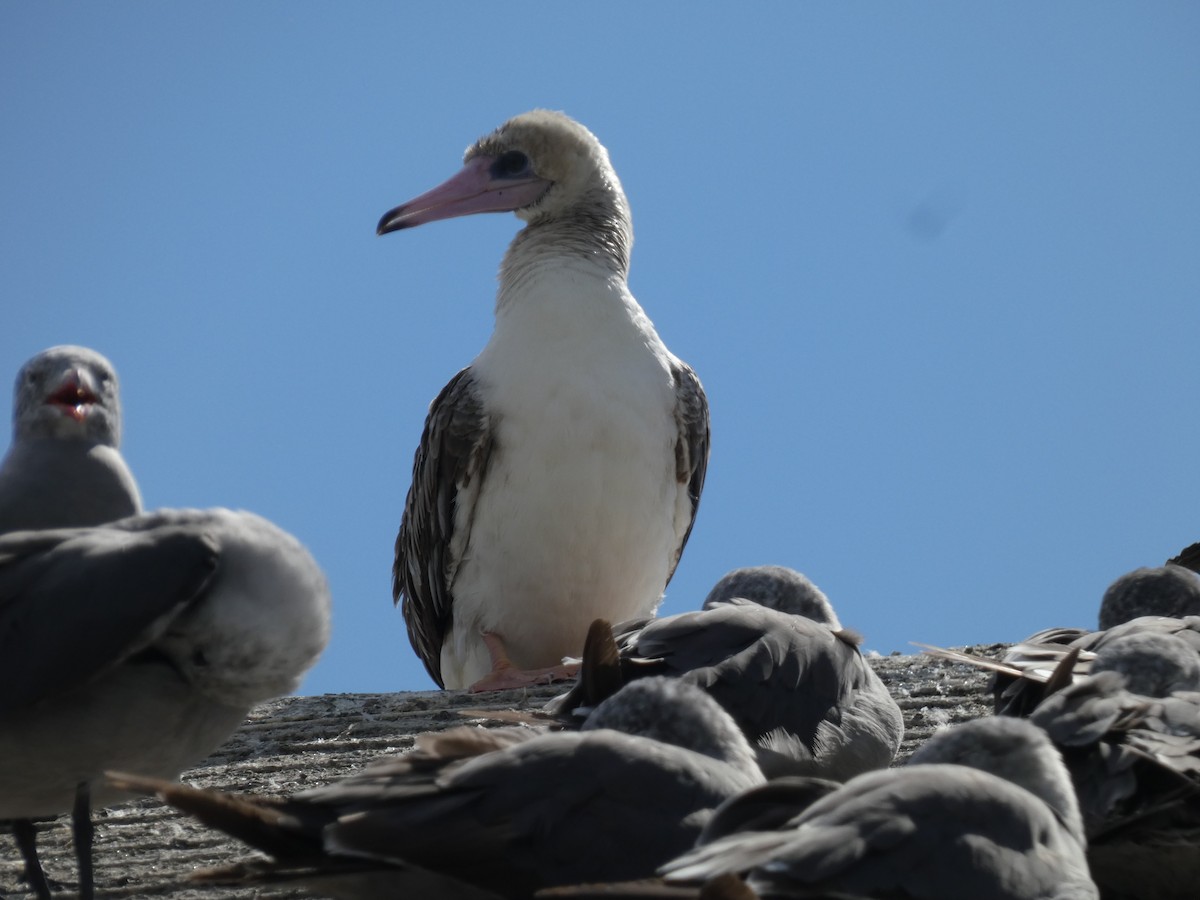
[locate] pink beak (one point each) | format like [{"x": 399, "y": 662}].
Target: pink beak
[{"x": 476, "y": 189}]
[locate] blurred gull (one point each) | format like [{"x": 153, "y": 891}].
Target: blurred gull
[
  {"x": 140, "y": 645},
  {"x": 611, "y": 802},
  {"x": 558, "y": 475},
  {"x": 769, "y": 648},
  {"x": 64, "y": 466}
]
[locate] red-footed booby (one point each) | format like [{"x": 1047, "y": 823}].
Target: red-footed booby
[{"x": 558, "y": 475}]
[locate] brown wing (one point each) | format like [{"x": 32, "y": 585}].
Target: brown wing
[
  {"x": 691, "y": 450},
  {"x": 448, "y": 468},
  {"x": 1189, "y": 558}
]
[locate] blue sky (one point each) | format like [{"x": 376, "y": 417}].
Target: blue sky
[{"x": 938, "y": 266}]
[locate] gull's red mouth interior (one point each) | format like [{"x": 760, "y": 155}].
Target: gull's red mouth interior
[{"x": 73, "y": 398}]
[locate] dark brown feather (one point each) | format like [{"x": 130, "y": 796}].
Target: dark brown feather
[
  {"x": 691, "y": 451},
  {"x": 449, "y": 464}
]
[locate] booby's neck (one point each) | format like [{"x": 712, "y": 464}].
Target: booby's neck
[
  {"x": 596, "y": 231},
  {"x": 564, "y": 305}
]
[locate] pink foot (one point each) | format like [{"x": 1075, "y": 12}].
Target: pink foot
[
  {"x": 506, "y": 677},
  {"x": 510, "y": 678}
]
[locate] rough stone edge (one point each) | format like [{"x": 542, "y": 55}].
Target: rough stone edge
[{"x": 144, "y": 849}]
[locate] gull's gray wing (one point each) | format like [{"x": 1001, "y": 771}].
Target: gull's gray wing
[
  {"x": 1135, "y": 765},
  {"x": 556, "y": 809},
  {"x": 799, "y": 689},
  {"x": 77, "y": 601},
  {"x": 568, "y": 808},
  {"x": 768, "y": 807},
  {"x": 768, "y": 669},
  {"x": 449, "y": 467},
  {"x": 933, "y": 831}
]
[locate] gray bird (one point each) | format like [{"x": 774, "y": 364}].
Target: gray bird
[
  {"x": 610, "y": 802},
  {"x": 558, "y": 476},
  {"x": 64, "y": 466},
  {"x": 983, "y": 810},
  {"x": 1130, "y": 735},
  {"x": 1168, "y": 590},
  {"x": 1022, "y": 677},
  {"x": 140, "y": 645},
  {"x": 1153, "y": 663},
  {"x": 1164, "y": 599},
  {"x": 769, "y": 648}
]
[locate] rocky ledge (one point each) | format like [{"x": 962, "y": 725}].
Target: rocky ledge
[{"x": 144, "y": 849}]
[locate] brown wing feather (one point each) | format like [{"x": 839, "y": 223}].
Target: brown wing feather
[
  {"x": 1189, "y": 558},
  {"x": 447, "y": 469},
  {"x": 691, "y": 450}
]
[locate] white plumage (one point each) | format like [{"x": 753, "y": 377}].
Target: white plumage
[{"x": 558, "y": 476}]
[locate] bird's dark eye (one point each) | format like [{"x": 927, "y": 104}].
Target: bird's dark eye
[{"x": 510, "y": 164}]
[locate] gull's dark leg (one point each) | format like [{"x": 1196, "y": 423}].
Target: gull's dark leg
[
  {"x": 81, "y": 823},
  {"x": 25, "y": 833}
]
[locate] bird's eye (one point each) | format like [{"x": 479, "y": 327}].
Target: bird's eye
[{"x": 510, "y": 164}]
